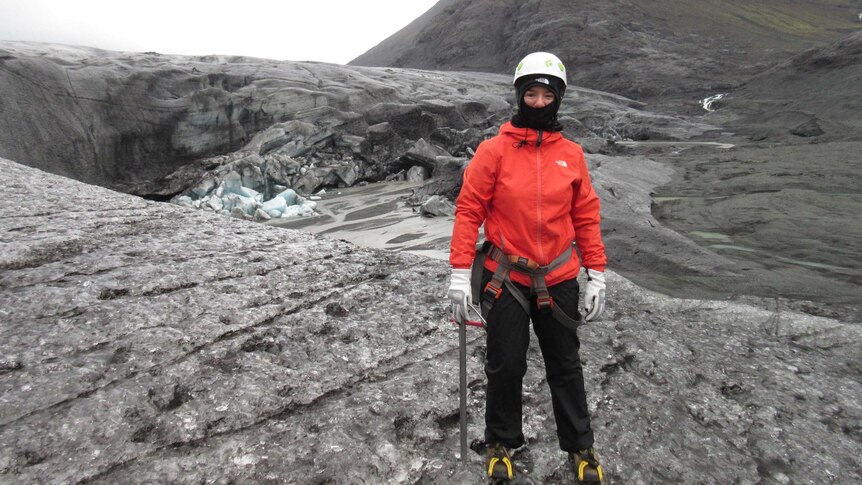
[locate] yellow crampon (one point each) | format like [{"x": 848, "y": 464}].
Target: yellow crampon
[
  {"x": 586, "y": 466},
  {"x": 583, "y": 466},
  {"x": 492, "y": 463}
]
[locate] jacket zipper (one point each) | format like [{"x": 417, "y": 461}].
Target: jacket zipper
[{"x": 539, "y": 199}]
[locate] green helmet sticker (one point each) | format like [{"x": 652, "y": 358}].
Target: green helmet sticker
[
  {"x": 562, "y": 68},
  {"x": 520, "y": 66},
  {"x": 549, "y": 63}
]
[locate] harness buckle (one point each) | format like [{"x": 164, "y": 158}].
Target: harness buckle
[
  {"x": 523, "y": 263},
  {"x": 545, "y": 302},
  {"x": 493, "y": 290}
]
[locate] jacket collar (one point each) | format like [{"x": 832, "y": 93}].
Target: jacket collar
[{"x": 529, "y": 135}]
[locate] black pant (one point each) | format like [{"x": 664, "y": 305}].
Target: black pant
[{"x": 508, "y": 338}]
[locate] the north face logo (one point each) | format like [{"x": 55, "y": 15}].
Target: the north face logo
[{"x": 562, "y": 163}]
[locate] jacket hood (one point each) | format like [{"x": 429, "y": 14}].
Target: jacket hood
[{"x": 529, "y": 135}]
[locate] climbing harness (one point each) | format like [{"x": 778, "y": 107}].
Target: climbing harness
[{"x": 506, "y": 263}]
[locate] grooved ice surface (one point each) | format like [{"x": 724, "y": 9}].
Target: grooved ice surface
[{"x": 148, "y": 343}]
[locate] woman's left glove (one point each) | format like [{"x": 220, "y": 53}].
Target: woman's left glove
[
  {"x": 460, "y": 292},
  {"x": 594, "y": 295}
]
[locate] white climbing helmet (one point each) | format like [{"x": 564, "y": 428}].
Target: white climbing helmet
[{"x": 541, "y": 63}]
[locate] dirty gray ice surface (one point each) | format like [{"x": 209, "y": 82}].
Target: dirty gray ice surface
[{"x": 145, "y": 342}]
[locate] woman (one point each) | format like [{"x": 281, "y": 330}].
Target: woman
[{"x": 531, "y": 189}]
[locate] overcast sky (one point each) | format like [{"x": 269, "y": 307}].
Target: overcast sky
[{"x": 304, "y": 30}]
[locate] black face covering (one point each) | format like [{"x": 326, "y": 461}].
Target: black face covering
[{"x": 544, "y": 118}]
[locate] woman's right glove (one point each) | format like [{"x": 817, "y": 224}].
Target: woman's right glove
[
  {"x": 460, "y": 292},
  {"x": 594, "y": 295}
]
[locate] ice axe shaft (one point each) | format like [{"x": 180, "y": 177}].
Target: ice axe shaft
[
  {"x": 462, "y": 361},
  {"x": 460, "y": 319}
]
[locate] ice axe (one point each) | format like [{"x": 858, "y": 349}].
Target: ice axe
[{"x": 462, "y": 322}]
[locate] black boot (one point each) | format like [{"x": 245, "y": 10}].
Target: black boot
[
  {"x": 498, "y": 462},
  {"x": 586, "y": 467}
]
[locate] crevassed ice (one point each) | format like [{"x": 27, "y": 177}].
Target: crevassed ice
[{"x": 286, "y": 204}]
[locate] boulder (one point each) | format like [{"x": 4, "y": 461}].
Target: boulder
[
  {"x": 808, "y": 129},
  {"x": 379, "y": 132},
  {"x": 445, "y": 113},
  {"x": 417, "y": 173},
  {"x": 437, "y": 206},
  {"x": 424, "y": 154},
  {"x": 347, "y": 174},
  {"x": 355, "y": 144},
  {"x": 261, "y": 215},
  {"x": 456, "y": 142},
  {"x": 445, "y": 182}
]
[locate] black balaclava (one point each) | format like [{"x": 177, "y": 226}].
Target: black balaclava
[{"x": 539, "y": 118}]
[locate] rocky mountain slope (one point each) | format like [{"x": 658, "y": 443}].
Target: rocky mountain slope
[
  {"x": 787, "y": 197},
  {"x": 812, "y": 94},
  {"x": 146, "y": 342},
  {"x": 641, "y": 50}
]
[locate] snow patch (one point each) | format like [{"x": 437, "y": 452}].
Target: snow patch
[{"x": 708, "y": 102}]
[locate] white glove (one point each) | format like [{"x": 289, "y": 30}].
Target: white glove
[
  {"x": 460, "y": 292},
  {"x": 594, "y": 295}
]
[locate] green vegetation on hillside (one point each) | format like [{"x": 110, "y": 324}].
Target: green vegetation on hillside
[{"x": 790, "y": 19}]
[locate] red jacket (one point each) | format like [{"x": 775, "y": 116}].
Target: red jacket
[{"x": 534, "y": 202}]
